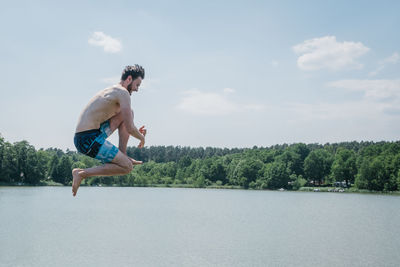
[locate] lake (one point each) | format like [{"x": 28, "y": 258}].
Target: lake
[{"x": 122, "y": 226}]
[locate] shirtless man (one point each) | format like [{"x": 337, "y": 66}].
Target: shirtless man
[{"x": 108, "y": 110}]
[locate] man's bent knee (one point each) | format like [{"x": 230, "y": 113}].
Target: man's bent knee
[
  {"x": 124, "y": 162},
  {"x": 128, "y": 167}
]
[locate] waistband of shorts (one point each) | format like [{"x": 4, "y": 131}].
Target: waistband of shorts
[{"x": 87, "y": 132}]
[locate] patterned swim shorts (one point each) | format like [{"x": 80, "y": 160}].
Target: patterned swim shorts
[{"x": 93, "y": 143}]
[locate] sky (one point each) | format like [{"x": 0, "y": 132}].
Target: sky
[{"x": 218, "y": 73}]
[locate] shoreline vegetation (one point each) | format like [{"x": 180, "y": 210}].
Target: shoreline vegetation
[
  {"x": 354, "y": 167},
  {"x": 302, "y": 189}
]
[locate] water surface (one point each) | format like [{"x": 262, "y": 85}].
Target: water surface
[{"x": 46, "y": 226}]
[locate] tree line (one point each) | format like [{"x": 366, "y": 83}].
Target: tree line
[{"x": 362, "y": 165}]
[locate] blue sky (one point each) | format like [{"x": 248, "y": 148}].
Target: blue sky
[{"x": 218, "y": 73}]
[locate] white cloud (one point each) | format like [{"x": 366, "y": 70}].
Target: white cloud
[
  {"x": 373, "y": 89},
  {"x": 325, "y": 111},
  {"x": 327, "y": 53},
  {"x": 373, "y": 116},
  {"x": 393, "y": 59},
  {"x": 109, "y": 44},
  {"x": 375, "y": 72},
  {"x": 206, "y": 103},
  {"x": 382, "y": 96},
  {"x": 201, "y": 103}
]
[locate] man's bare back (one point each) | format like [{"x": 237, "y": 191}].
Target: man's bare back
[{"x": 104, "y": 105}]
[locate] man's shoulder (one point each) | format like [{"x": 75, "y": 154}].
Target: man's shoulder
[{"x": 117, "y": 90}]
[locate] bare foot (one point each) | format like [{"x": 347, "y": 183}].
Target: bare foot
[
  {"x": 76, "y": 180},
  {"x": 135, "y": 162}
]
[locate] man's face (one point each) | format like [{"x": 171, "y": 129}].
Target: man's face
[{"x": 134, "y": 85}]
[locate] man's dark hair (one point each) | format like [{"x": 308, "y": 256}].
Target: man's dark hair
[{"x": 135, "y": 71}]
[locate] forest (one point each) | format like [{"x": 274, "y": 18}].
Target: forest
[{"x": 365, "y": 165}]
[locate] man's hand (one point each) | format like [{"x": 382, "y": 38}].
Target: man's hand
[
  {"x": 141, "y": 144},
  {"x": 142, "y": 130}
]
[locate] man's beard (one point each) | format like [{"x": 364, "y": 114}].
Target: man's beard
[{"x": 130, "y": 87}]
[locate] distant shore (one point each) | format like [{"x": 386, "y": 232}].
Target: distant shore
[{"x": 315, "y": 189}]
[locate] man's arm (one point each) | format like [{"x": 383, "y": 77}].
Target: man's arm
[{"x": 127, "y": 115}]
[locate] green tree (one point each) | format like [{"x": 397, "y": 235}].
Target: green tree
[
  {"x": 247, "y": 171},
  {"x": 199, "y": 182},
  {"x": 9, "y": 164},
  {"x": 26, "y": 163},
  {"x": 317, "y": 165},
  {"x": 379, "y": 172},
  {"x": 276, "y": 175},
  {"x": 344, "y": 166},
  {"x": 21, "y": 149},
  {"x": 64, "y": 168},
  {"x": 53, "y": 170},
  {"x": 372, "y": 174},
  {"x": 43, "y": 159},
  {"x": 298, "y": 164},
  {"x": 292, "y": 161},
  {"x": 32, "y": 168},
  {"x": 298, "y": 182},
  {"x": 398, "y": 180},
  {"x": 218, "y": 171},
  {"x": 213, "y": 170},
  {"x": 184, "y": 162},
  {"x": 2, "y": 173}
]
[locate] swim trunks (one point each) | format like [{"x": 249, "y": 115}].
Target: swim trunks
[{"x": 93, "y": 143}]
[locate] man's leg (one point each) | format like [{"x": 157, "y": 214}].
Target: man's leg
[
  {"x": 120, "y": 165},
  {"x": 117, "y": 122},
  {"x": 123, "y": 137}
]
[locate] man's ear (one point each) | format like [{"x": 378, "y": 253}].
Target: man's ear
[{"x": 129, "y": 79}]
